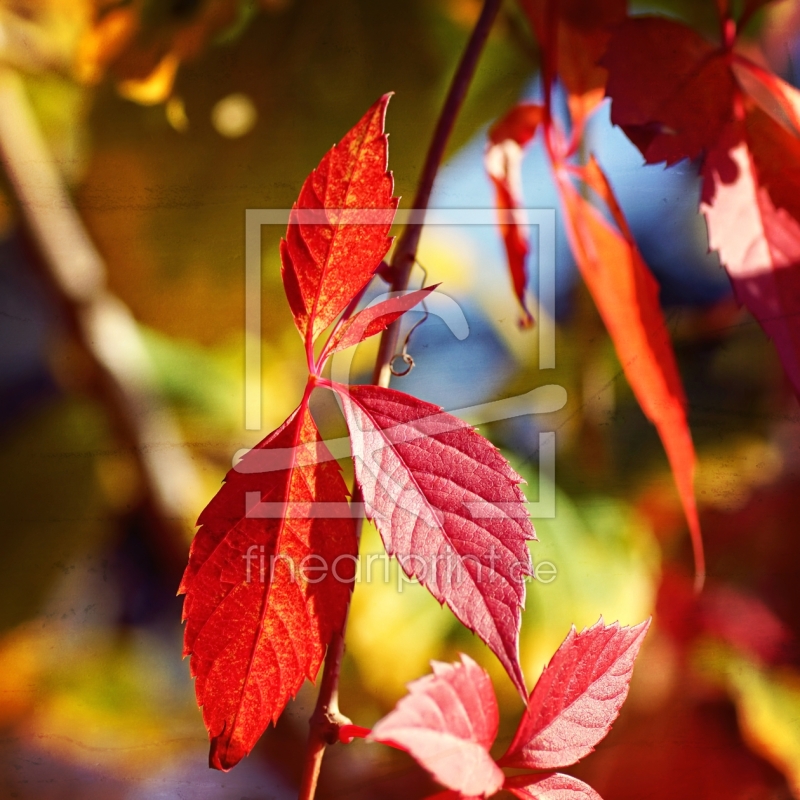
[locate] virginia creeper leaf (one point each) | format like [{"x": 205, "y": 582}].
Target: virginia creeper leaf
[
  {"x": 373, "y": 319},
  {"x": 626, "y": 295},
  {"x": 503, "y": 162},
  {"x": 672, "y": 91},
  {"x": 338, "y": 229},
  {"x": 758, "y": 242},
  {"x": 579, "y": 38},
  {"x": 577, "y": 697},
  {"x": 256, "y": 633},
  {"x": 448, "y": 505},
  {"x": 552, "y": 786},
  {"x": 448, "y": 722}
]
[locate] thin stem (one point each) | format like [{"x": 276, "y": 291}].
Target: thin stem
[
  {"x": 326, "y": 719},
  {"x": 406, "y": 251}
]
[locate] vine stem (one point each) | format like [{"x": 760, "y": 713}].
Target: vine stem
[{"x": 327, "y": 719}]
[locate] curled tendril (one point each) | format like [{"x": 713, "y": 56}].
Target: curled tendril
[{"x": 404, "y": 354}]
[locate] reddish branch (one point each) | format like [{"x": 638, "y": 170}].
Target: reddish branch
[{"x": 326, "y": 719}]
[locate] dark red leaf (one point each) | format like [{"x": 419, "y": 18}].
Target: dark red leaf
[
  {"x": 553, "y": 786},
  {"x": 373, "y": 319},
  {"x": 338, "y": 229},
  {"x": 577, "y": 697},
  {"x": 254, "y": 634},
  {"x": 672, "y": 91},
  {"x": 448, "y": 505},
  {"x": 626, "y": 295},
  {"x": 447, "y": 722},
  {"x": 758, "y": 242}
]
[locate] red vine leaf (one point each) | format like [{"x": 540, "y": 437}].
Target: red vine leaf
[
  {"x": 373, "y": 319},
  {"x": 503, "y": 162},
  {"x": 553, "y": 786},
  {"x": 448, "y": 722},
  {"x": 255, "y": 634},
  {"x": 338, "y": 229},
  {"x": 448, "y": 505},
  {"x": 758, "y": 242},
  {"x": 626, "y": 295},
  {"x": 577, "y": 697},
  {"x": 672, "y": 91},
  {"x": 578, "y": 36}
]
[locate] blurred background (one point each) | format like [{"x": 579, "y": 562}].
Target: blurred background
[{"x": 134, "y": 135}]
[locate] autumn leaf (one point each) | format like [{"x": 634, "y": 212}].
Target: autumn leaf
[
  {"x": 375, "y": 318},
  {"x": 552, "y": 786},
  {"x": 448, "y": 506},
  {"x": 574, "y": 35},
  {"x": 626, "y": 295},
  {"x": 338, "y": 229},
  {"x": 577, "y": 697},
  {"x": 503, "y": 161},
  {"x": 758, "y": 242},
  {"x": 672, "y": 91},
  {"x": 257, "y": 623},
  {"x": 448, "y": 722}
]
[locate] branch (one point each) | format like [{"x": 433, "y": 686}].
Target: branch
[
  {"x": 326, "y": 719},
  {"x": 102, "y": 325}
]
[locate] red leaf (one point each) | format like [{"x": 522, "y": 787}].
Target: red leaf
[
  {"x": 577, "y": 697},
  {"x": 672, "y": 92},
  {"x": 447, "y": 504},
  {"x": 758, "y": 242},
  {"x": 553, "y": 786},
  {"x": 255, "y": 635},
  {"x": 579, "y": 39},
  {"x": 503, "y": 161},
  {"x": 776, "y": 97},
  {"x": 372, "y": 320},
  {"x": 626, "y": 295},
  {"x": 338, "y": 229},
  {"x": 447, "y": 722}
]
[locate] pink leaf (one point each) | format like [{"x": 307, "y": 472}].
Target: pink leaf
[
  {"x": 758, "y": 243},
  {"x": 448, "y": 722},
  {"x": 577, "y": 697},
  {"x": 338, "y": 229},
  {"x": 554, "y": 786},
  {"x": 448, "y": 505},
  {"x": 373, "y": 319}
]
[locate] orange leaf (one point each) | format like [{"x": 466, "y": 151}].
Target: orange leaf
[{"x": 626, "y": 295}]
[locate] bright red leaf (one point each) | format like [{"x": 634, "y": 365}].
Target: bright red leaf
[
  {"x": 626, "y": 295},
  {"x": 577, "y": 697},
  {"x": 338, "y": 229},
  {"x": 672, "y": 91},
  {"x": 503, "y": 162},
  {"x": 552, "y": 786},
  {"x": 448, "y": 722},
  {"x": 372, "y": 320},
  {"x": 448, "y": 505},
  {"x": 255, "y": 634}
]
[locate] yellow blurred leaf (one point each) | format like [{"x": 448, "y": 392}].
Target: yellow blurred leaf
[{"x": 768, "y": 706}]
